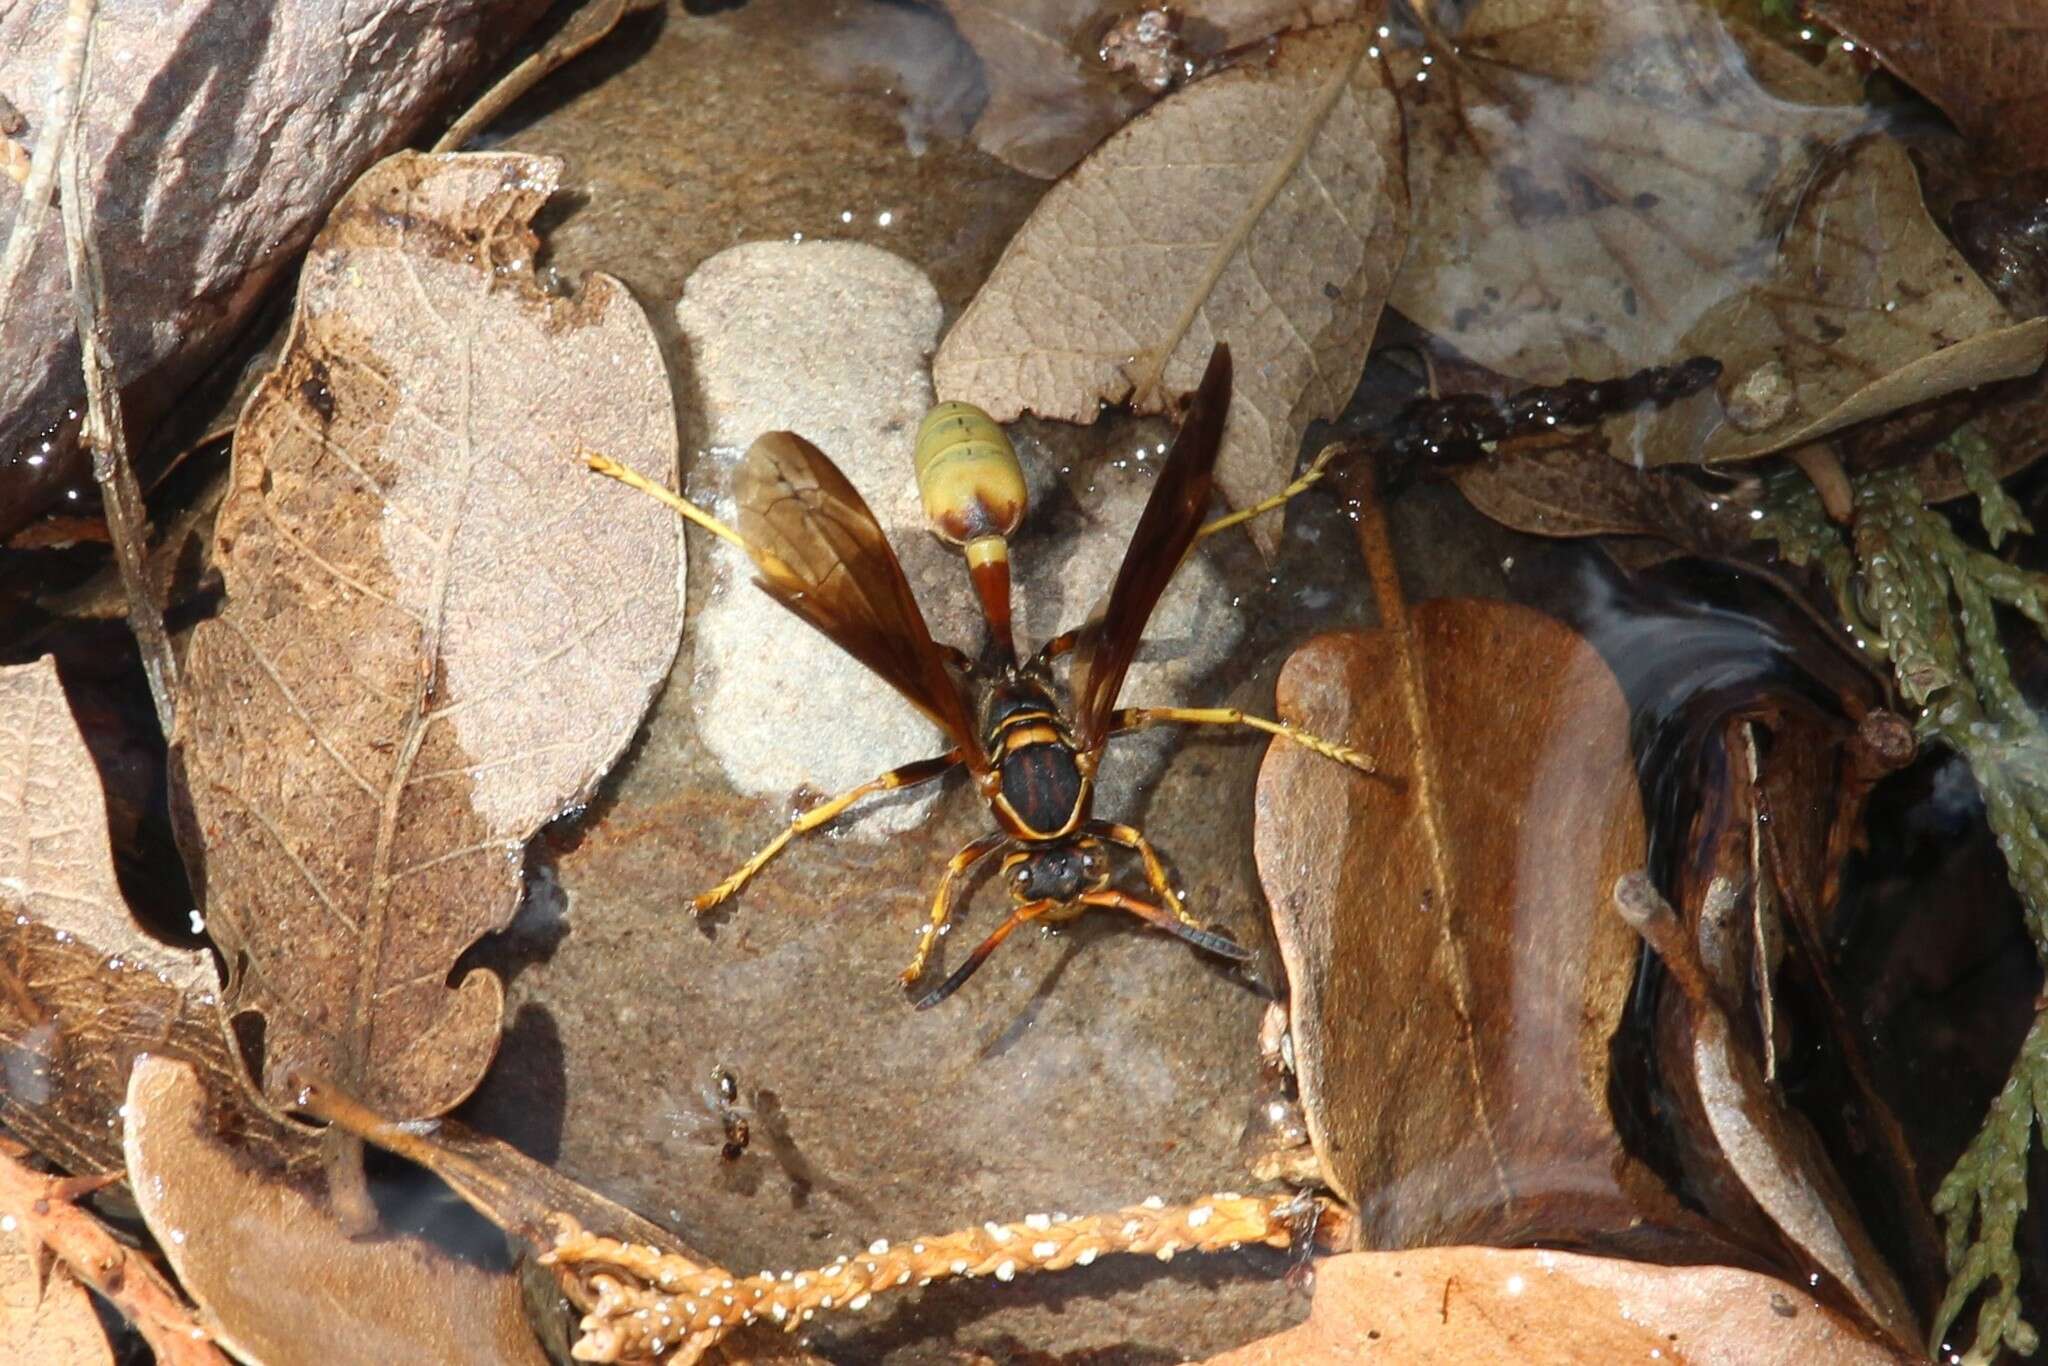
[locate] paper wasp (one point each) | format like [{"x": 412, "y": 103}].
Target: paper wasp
[{"x": 1030, "y": 744}]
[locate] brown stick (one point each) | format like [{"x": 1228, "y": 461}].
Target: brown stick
[
  {"x": 1818, "y": 461},
  {"x": 106, "y": 435},
  {"x": 583, "y": 31},
  {"x": 41, "y": 1209}
]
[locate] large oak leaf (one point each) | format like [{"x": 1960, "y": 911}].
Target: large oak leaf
[
  {"x": 440, "y": 628},
  {"x": 1264, "y": 206}
]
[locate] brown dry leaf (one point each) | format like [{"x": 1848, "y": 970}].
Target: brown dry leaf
[
  {"x": 1602, "y": 187},
  {"x": 277, "y": 1279},
  {"x": 1571, "y": 487},
  {"x": 1053, "y": 90},
  {"x": 440, "y": 628},
  {"x": 46, "y": 1319},
  {"x": 1265, "y": 207},
  {"x": 1464, "y": 1304},
  {"x": 1981, "y": 63},
  {"x": 83, "y": 991},
  {"x": 1455, "y": 980}
]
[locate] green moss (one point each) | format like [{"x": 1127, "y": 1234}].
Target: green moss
[{"x": 1914, "y": 592}]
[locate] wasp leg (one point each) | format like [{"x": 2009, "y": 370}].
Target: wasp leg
[
  {"x": 1155, "y": 871},
  {"x": 1223, "y": 946},
  {"x": 1302, "y": 485},
  {"x": 1024, "y": 914},
  {"x": 942, "y": 904},
  {"x": 1137, "y": 718},
  {"x": 1057, "y": 646},
  {"x": 910, "y": 775}
]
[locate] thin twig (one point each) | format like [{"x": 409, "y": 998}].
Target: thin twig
[
  {"x": 106, "y": 435},
  {"x": 1818, "y": 461},
  {"x": 60, "y": 116},
  {"x": 42, "y": 1209},
  {"x": 582, "y": 32}
]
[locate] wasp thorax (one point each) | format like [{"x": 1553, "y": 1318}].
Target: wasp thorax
[{"x": 967, "y": 474}]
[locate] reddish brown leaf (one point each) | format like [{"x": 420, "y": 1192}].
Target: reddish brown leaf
[
  {"x": 1981, "y": 63},
  {"x": 1454, "y": 978},
  {"x": 278, "y": 1279},
  {"x": 440, "y": 628},
  {"x": 1463, "y": 1304}
]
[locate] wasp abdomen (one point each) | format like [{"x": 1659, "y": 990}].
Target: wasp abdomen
[{"x": 967, "y": 475}]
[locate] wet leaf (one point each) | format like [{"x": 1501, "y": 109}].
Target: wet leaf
[
  {"x": 1602, "y": 187},
  {"x": 83, "y": 991},
  {"x": 45, "y": 1317},
  {"x": 1457, "y": 1304},
  {"x": 1056, "y": 86},
  {"x": 1265, "y": 207},
  {"x": 1980, "y": 63},
  {"x": 1573, "y": 487},
  {"x": 440, "y": 629},
  {"x": 1454, "y": 979},
  {"x": 1744, "y": 1142},
  {"x": 276, "y": 1277}
]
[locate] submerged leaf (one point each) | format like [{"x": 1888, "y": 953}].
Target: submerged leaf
[
  {"x": 439, "y": 631},
  {"x": 1602, "y": 187},
  {"x": 1572, "y": 487},
  {"x": 1062, "y": 74},
  {"x": 83, "y": 991},
  {"x": 1454, "y": 979},
  {"x": 1458, "y": 1304},
  {"x": 277, "y": 1278},
  {"x": 1264, "y": 206}
]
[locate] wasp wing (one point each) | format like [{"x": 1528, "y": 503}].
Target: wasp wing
[
  {"x": 822, "y": 555},
  {"x": 1171, "y": 521}
]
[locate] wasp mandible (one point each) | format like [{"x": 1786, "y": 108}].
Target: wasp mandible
[{"x": 1030, "y": 744}]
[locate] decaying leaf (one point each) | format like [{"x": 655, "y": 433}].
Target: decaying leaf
[
  {"x": 1460, "y": 1304},
  {"x": 1570, "y": 486},
  {"x": 1980, "y": 62},
  {"x": 1064, "y": 74},
  {"x": 83, "y": 991},
  {"x": 45, "y": 1317},
  {"x": 1771, "y": 1151},
  {"x": 1454, "y": 980},
  {"x": 1265, "y": 207},
  {"x": 276, "y": 1277},
  {"x": 439, "y": 631},
  {"x": 1603, "y": 186}
]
